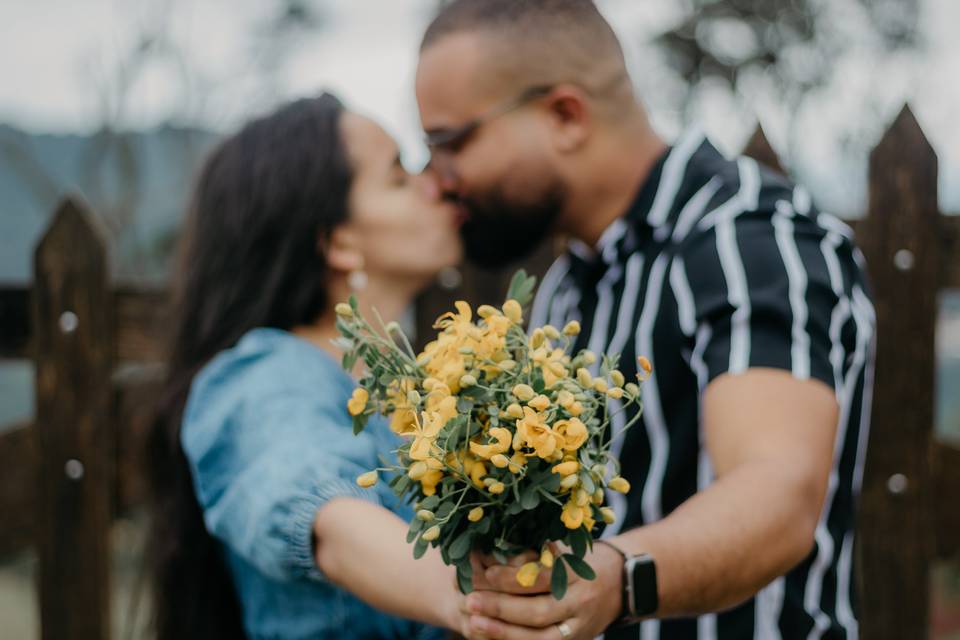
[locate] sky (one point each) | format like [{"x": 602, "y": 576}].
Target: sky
[{"x": 220, "y": 73}]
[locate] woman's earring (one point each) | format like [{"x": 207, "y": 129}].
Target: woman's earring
[{"x": 357, "y": 280}]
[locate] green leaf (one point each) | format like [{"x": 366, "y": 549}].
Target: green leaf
[
  {"x": 416, "y": 525},
  {"x": 420, "y": 548},
  {"x": 530, "y": 498},
  {"x": 465, "y": 567},
  {"x": 580, "y": 567},
  {"x": 464, "y": 405},
  {"x": 460, "y": 546},
  {"x": 359, "y": 422},
  {"x": 558, "y": 580},
  {"x": 586, "y": 481},
  {"x": 430, "y": 502},
  {"x": 514, "y": 508},
  {"x": 352, "y": 300},
  {"x": 465, "y": 583},
  {"x": 349, "y": 359},
  {"x": 579, "y": 540}
]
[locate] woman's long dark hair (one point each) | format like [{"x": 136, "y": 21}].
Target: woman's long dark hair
[{"x": 249, "y": 258}]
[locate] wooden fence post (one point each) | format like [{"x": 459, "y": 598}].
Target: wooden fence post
[
  {"x": 900, "y": 239},
  {"x": 73, "y": 351}
]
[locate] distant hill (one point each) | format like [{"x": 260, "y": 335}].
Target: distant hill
[{"x": 36, "y": 170}]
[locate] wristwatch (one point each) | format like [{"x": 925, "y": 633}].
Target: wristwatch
[{"x": 640, "y": 596}]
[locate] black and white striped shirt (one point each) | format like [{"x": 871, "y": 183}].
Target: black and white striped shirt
[{"x": 720, "y": 266}]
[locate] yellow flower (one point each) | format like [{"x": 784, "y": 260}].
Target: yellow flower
[
  {"x": 517, "y": 462},
  {"x": 645, "y": 364},
  {"x": 432, "y": 533},
  {"x": 430, "y": 480},
  {"x": 572, "y": 328},
  {"x": 486, "y": 311},
  {"x": 358, "y": 401},
  {"x": 572, "y": 432},
  {"x": 524, "y": 392},
  {"x": 367, "y": 479},
  {"x": 566, "y": 468},
  {"x": 513, "y": 310},
  {"x": 619, "y": 484},
  {"x": 584, "y": 378},
  {"x": 528, "y": 573},
  {"x": 569, "y": 482},
  {"x": 501, "y": 444},
  {"x": 417, "y": 470},
  {"x": 424, "y": 436},
  {"x": 540, "y": 403},
  {"x": 608, "y": 515},
  {"x": 546, "y": 557},
  {"x": 534, "y": 432},
  {"x": 477, "y": 472},
  {"x": 572, "y": 515},
  {"x": 565, "y": 399},
  {"x": 475, "y": 515},
  {"x": 515, "y": 410},
  {"x": 553, "y": 367},
  {"x": 581, "y": 497}
]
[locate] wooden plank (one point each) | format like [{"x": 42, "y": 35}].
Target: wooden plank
[
  {"x": 14, "y": 322},
  {"x": 900, "y": 241},
  {"x": 950, "y": 248},
  {"x": 139, "y": 317},
  {"x": 946, "y": 477},
  {"x": 17, "y": 490},
  {"x": 72, "y": 338}
]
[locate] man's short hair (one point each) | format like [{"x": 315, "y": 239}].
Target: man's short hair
[{"x": 536, "y": 41}]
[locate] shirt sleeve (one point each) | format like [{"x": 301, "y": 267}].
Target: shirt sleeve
[
  {"x": 774, "y": 289},
  {"x": 262, "y": 474}
]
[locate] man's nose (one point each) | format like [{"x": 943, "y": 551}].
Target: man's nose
[{"x": 443, "y": 173}]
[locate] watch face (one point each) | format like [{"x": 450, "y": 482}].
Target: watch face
[{"x": 643, "y": 583}]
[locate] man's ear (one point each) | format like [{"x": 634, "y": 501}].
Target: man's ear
[
  {"x": 569, "y": 109},
  {"x": 342, "y": 250}
]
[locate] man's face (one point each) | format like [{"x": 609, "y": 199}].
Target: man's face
[{"x": 501, "y": 172}]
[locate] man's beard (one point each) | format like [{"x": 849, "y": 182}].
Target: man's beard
[{"x": 499, "y": 232}]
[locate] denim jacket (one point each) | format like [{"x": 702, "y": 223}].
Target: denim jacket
[{"x": 269, "y": 440}]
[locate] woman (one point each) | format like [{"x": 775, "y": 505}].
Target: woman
[{"x": 259, "y": 527}]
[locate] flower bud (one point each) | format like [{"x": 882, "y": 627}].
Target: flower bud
[
  {"x": 497, "y": 488},
  {"x": 467, "y": 380},
  {"x": 343, "y": 310},
  {"x": 506, "y": 365},
  {"x": 616, "y": 393},
  {"x": 570, "y": 481},
  {"x": 546, "y": 557},
  {"x": 524, "y": 392},
  {"x": 600, "y": 385},
  {"x": 425, "y": 515},
  {"x": 598, "y": 497},
  {"x": 572, "y": 328},
  {"x": 367, "y": 479},
  {"x": 617, "y": 378},
  {"x": 432, "y": 533},
  {"x": 513, "y": 310},
  {"x": 632, "y": 389},
  {"x": 485, "y": 311},
  {"x": 645, "y": 364},
  {"x": 608, "y": 515},
  {"x": 589, "y": 357},
  {"x": 565, "y": 399},
  {"x": 566, "y": 468},
  {"x": 584, "y": 378},
  {"x": 536, "y": 338},
  {"x": 551, "y": 332},
  {"x": 515, "y": 410},
  {"x": 527, "y": 575},
  {"x": 575, "y": 409},
  {"x": 358, "y": 401},
  {"x": 619, "y": 484},
  {"x": 540, "y": 403},
  {"x": 413, "y": 397},
  {"x": 500, "y": 461},
  {"x": 475, "y": 515},
  {"x": 417, "y": 470}
]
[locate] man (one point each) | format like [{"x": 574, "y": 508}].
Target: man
[{"x": 751, "y": 306}]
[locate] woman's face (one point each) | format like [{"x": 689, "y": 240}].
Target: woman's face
[{"x": 397, "y": 220}]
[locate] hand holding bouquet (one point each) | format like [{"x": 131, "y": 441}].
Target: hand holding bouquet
[{"x": 506, "y": 435}]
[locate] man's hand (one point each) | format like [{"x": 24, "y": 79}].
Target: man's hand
[{"x": 501, "y": 609}]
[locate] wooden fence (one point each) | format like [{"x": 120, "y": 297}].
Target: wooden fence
[{"x": 77, "y": 466}]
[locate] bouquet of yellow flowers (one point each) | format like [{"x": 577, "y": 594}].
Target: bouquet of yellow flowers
[{"x": 506, "y": 446}]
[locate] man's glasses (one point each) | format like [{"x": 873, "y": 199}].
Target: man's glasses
[{"x": 453, "y": 139}]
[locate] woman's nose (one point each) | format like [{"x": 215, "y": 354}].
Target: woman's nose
[{"x": 429, "y": 185}]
